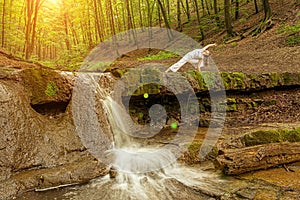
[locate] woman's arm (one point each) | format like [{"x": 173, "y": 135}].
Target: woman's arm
[{"x": 209, "y": 45}]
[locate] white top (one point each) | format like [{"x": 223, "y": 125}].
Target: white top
[{"x": 195, "y": 54}]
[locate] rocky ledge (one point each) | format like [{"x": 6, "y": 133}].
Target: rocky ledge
[{"x": 39, "y": 145}]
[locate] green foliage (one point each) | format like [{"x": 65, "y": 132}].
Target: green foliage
[
  {"x": 293, "y": 40},
  {"x": 72, "y": 59},
  {"x": 51, "y": 89},
  {"x": 159, "y": 56},
  {"x": 292, "y": 32},
  {"x": 242, "y": 20},
  {"x": 289, "y": 29}
]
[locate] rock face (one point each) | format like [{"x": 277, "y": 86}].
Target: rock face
[{"x": 37, "y": 132}]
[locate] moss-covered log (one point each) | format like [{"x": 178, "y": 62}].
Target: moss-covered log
[{"x": 238, "y": 161}]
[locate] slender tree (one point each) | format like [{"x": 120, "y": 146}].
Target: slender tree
[
  {"x": 267, "y": 10},
  {"x": 179, "y": 24},
  {"x": 227, "y": 17},
  {"x": 215, "y": 5},
  {"x": 188, "y": 12},
  {"x": 31, "y": 8},
  {"x": 3, "y": 23},
  {"x": 198, "y": 19},
  {"x": 236, "y": 12},
  {"x": 256, "y": 6},
  {"x": 65, "y": 24},
  {"x": 164, "y": 14}
]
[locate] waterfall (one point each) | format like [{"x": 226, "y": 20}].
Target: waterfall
[{"x": 144, "y": 170}]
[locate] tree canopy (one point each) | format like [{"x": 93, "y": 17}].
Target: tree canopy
[{"x": 62, "y": 32}]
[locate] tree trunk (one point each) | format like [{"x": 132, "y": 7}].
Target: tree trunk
[
  {"x": 140, "y": 14},
  {"x": 256, "y": 7},
  {"x": 207, "y": 7},
  {"x": 97, "y": 22},
  {"x": 68, "y": 45},
  {"x": 159, "y": 17},
  {"x": 236, "y": 9},
  {"x": 203, "y": 8},
  {"x": 89, "y": 32},
  {"x": 267, "y": 10},
  {"x": 227, "y": 16},
  {"x": 36, "y": 9},
  {"x": 188, "y": 13},
  {"x": 165, "y": 18},
  {"x": 3, "y": 24},
  {"x": 101, "y": 14},
  {"x": 28, "y": 11},
  {"x": 179, "y": 24},
  {"x": 164, "y": 14},
  {"x": 216, "y": 12},
  {"x": 199, "y": 21},
  {"x": 237, "y": 161}
]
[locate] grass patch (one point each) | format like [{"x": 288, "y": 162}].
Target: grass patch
[
  {"x": 292, "y": 32},
  {"x": 159, "y": 56}
]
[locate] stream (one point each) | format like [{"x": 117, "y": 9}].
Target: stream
[{"x": 143, "y": 161}]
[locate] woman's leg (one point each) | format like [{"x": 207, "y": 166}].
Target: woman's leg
[{"x": 175, "y": 67}]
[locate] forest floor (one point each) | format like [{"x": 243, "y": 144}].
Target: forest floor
[{"x": 275, "y": 50}]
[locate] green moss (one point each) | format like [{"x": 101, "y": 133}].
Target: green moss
[
  {"x": 270, "y": 102},
  {"x": 193, "y": 150},
  {"x": 286, "y": 78},
  {"x": 271, "y": 136},
  {"x": 51, "y": 89},
  {"x": 238, "y": 79},
  {"x": 231, "y": 101},
  {"x": 159, "y": 56},
  {"x": 226, "y": 80},
  {"x": 209, "y": 79},
  {"x": 119, "y": 72},
  {"x": 231, "y": 108},
  {"x": 198, "y": 77},
  {"x": 37, "y": 83},
  {"x": 275, "y": 79}
]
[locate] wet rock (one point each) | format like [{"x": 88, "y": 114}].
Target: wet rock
[
  {"x": 113, "y": 172},
  {"x": 246, "y": 193},
  {"x": 81, "y": 171},
  {"x": 38, "y": 149},
  {"x": 271, "y": 136}
]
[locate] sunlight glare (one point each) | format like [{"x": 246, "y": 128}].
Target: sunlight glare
[{"x": 54, "y": 2}]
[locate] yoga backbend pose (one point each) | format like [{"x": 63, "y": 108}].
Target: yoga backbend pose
[{"x": 197, "y": 56}]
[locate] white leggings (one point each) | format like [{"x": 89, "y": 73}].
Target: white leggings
[{"x": 195, "y": 62}]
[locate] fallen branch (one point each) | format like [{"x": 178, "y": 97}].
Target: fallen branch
[
  {"x": 55, "y": 187},
  {"x": 238, "y": 161}
]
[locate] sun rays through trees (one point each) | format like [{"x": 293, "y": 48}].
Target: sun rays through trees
[{"x": 62, "y": 32}]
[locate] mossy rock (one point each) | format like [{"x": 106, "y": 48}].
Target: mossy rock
[
  {"x": 196, "y": 75},
  {"x": 41, "y": 84},
  {"x": 238, "y": 79},
  {"x": 231, "y": 108},
  {"x": 271, "y": 136},
  {"x": 191, "y": 156},
  {"x": 234, "y": 80},
  {"x": 119, "y": 72}
]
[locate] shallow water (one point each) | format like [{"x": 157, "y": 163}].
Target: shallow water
[
  {"x": 174, "y": 182},
  {"x": 145, "y": 169}
]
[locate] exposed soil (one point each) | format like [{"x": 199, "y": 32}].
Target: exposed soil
[{"x": 266, "y": 52}]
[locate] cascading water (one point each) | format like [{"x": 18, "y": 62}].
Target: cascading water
[{"x": 145, "y": 170}]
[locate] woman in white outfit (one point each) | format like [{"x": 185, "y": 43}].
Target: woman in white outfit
[{"x": 197, "y": 57}]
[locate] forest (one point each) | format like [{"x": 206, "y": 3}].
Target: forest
[{"x": 62, "y": 32}]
